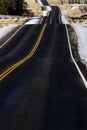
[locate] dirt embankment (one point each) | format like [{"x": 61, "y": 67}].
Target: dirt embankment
[
  {"x": 35, "y": 7},
  {"x": 74, "y": 14},
  {"x": 55, "y": 2},
  {"x": 18, "y": 21},
  {"x": 71, "y": 12}
]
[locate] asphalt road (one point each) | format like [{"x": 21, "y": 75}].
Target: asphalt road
[
  {"x": 19, "y": 46},
  {"x": 45, "y": 3},
  {"x": 54, "y": 16},
  {"x": 3, "y": 39},
  {"x": 45, "y": 91}
]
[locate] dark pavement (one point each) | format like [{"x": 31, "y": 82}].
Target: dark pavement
[
  {"x": 46, "y": 92},
  {"x": 19, "y": 46},
  {"x": 54, "y": 16},
  {"x": 45, "y": 3}
]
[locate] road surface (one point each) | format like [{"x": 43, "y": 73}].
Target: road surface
[
  {"x": 40, "y": 85},
  {"x": 54, "y": 16},
  {"x": 45, "y": 92}
]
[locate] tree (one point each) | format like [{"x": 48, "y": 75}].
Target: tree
[
  {"x": 12, "y": 7},
  {"x": 85, "y": 1},
  {"x": 20, "y": 6}
]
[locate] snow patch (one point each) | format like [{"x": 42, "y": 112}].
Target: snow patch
[
  {"x": 48, "y": 8},
  {"x": 81, "y": 31},
  {"x": 33, "y": 20},
  {"x": 6, "y": 29},
  {"x": 74, "y": 8},
  {"x": 63, "y": 17},
  {"x": 45, "y": 13}
]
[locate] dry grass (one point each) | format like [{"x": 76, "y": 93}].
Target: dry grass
[
  {"x": 32, "y": 5},
  {"x": 72, "y": 14},
  {"x": 13, "y": 21},
  {"x": 55, "y": 2},
  {"x": 85, "y": 21},
  {"x": 65, "y": 7},
  {"x": 35, "y": 7}
]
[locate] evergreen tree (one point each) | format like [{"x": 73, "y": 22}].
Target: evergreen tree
[
  {"x": 85, "y": 1},
  {"x": 70, "y": 1},
  {"x": 12, "y": 7}
]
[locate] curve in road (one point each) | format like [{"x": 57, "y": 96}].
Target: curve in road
[{"x": 46, "y": 92}]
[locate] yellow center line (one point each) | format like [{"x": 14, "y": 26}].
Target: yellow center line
[
  {"x": 8, "y": 71},
  {"x": 51, "y": 20}
]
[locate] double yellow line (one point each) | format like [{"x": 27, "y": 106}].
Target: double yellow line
[
  {"x": 51, "y": 20},
  {"x": 13, "y": 67}
]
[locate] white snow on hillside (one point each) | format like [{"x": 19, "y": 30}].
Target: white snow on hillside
[
  {"x": 5, "y": 30},
  {"x": 33, "y": 21},
  {"x": 63, "y": 17},
  {"x": 81, "y": 31}
]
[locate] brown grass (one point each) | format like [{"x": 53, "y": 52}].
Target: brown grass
[
  {"x": 13, "y": 21},
  {"x": 35, "y": 7},
  {"x": 55, "y": 2}
]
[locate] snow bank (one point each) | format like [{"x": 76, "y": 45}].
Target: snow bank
[
  {"x": 48, "y": 8},
  {"x": 6, "y": 29},
  {"x": 81, "y": 31},
  {"x": 45, "y": 13},
  {"x": 63, "y": 17},
  {"x": 33, "y": 20}
]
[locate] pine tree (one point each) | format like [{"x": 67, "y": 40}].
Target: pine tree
[
  {"x": 12, "y": 7},
  {"x": 70, "y": 1}
]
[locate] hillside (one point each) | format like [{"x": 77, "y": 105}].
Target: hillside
[
  {"x": 35, "y": 7},
  {"x": 55, "y": 2}
]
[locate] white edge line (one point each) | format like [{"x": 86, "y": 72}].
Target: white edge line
[
  {"x": 15, "y": 34},
  {"x": 11, "y": 37},
  {"x": 78, "y": 69},
  {"x": 60, "y": 16}
]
